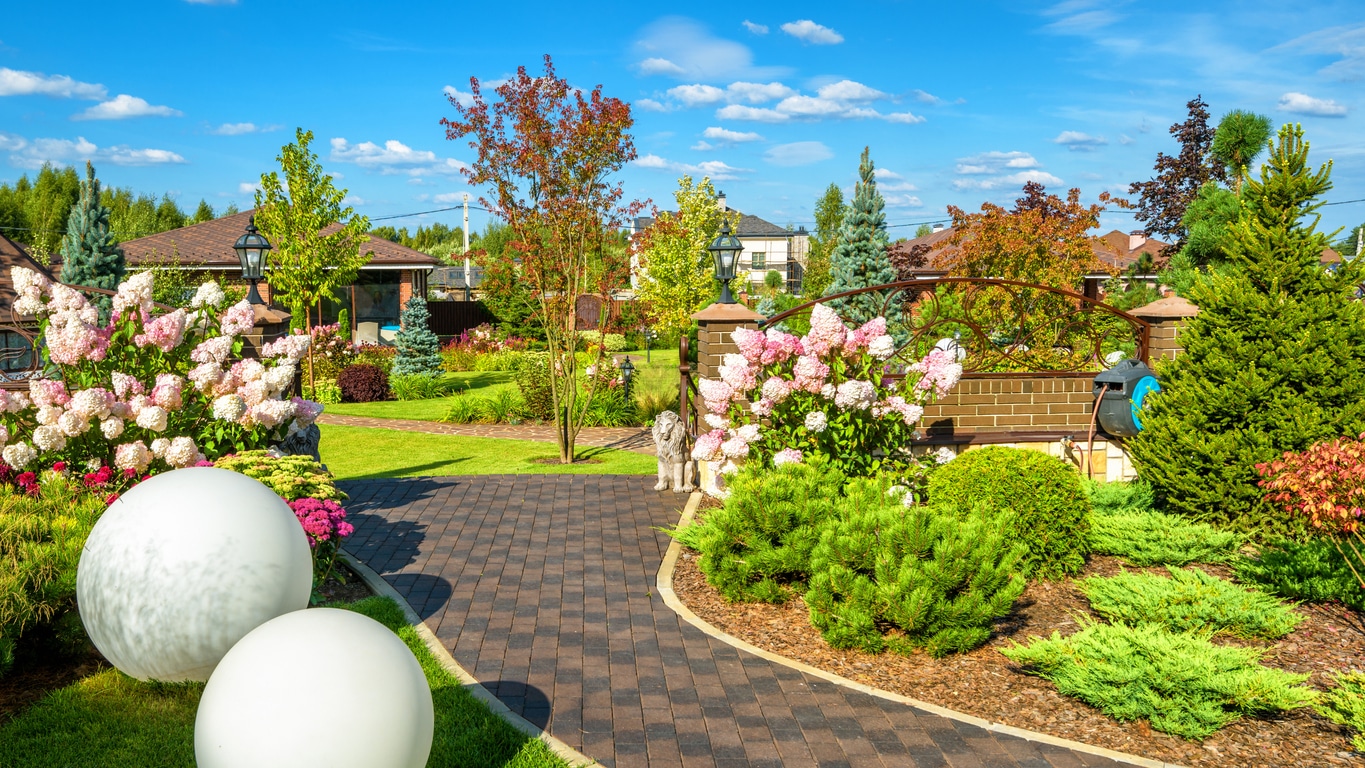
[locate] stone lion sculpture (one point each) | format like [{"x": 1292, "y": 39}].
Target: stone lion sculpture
[{"x": 670, "y": 442}]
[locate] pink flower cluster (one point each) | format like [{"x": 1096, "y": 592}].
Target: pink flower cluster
[
  {"x": 323, "y": 520},
  {"x": 939, "y": 371}
]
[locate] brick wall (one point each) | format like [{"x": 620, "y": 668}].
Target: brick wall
[{"x": 1015, "y": 404}]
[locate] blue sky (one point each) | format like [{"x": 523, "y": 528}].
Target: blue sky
[{"x": 960, "y": 103}]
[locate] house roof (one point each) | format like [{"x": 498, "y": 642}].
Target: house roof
[
  {"x": 209, "y": 245},
  {"x": 12, "y": 255}
]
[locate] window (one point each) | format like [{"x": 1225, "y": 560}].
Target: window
[{"x": 758, "y": 261}]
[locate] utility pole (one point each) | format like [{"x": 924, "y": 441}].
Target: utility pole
[{"x": 467, "y": 285}]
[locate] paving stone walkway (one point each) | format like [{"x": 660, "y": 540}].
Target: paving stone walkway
[
  {"x": 635, "y": 439},
  {"x": 542, "y": 587}
]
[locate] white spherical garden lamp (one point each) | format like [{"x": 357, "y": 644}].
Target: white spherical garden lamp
[
  {"x": 184, "y": 565},
  {"x": 266, "y": 704}
]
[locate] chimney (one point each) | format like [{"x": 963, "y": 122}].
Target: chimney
[
  {"x": 937, "y": 228},
  {"x": 1135, "y": 239},
  {"x": 720, "y": 201}
]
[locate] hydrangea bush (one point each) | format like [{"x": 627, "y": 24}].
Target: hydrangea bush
[
  {"x": 145, "y": 392},
  {"x": 785, "y": 398}
]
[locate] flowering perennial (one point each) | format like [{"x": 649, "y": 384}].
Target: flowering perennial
[{"x": 784, "y": 399}]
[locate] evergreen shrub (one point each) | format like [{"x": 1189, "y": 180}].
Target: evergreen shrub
[
  {"x": 1179, "y": 682},
  {"x": 1154, "y": 538},
  {"x": 363, "y": 383},
  {"x": 1120, "y": 498},
  {"x": 1313, "y": 571},
  {"x": 934, "y": 580},
  {"x": 1190, "y": 600},
  {"x": 1344, "y": 704},
  {"x": 757, "y": 547},
  {"x": 1049, "y": 506},
  {"x": 419, "y": 351},
  {"x": 1274, "y": 361}
]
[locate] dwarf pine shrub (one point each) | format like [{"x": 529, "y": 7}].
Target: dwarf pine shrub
[
  {"x": 757, "y": 547},
  {"x": 1179, "y": 682},
  {"x": 1155, "y": 538},
  {"x": 937, "y": 581},
  {"x": 1120, "y": 498},
  {"x": 1190, "y": 600},
  {"x": 1344, "y": 704},
  {"x": 1313, "y": 571},
  {"x": 1049, "y": 511}
]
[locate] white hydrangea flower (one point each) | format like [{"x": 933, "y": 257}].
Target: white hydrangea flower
[
  {"x": 111, "y": 428},
  {"x": 210, "y": 294},
  {"x": 49, "y": 439},
  {"x": 18, "y": 455},
  {"x": 816, "y": 421},
  {"x": 882, "y": 347},
  {"x": 152, "y": 417},
  {"x": 228, "y": 408}
]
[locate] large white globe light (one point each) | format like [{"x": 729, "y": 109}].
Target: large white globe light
[
  {"x": 183, "y": 565},
  {"x": 276, "y": 698}
]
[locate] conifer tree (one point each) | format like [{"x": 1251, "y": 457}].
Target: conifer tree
[
  {"x": 859, "y": 259},
  {"x": 90, "y": 253},
  {"x": 419, "y": 351},
  {"x": 1273, "y": 362}
]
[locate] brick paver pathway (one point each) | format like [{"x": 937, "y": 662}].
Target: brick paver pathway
[
  {"x": 541, "y": 586},
  {"x": 626, "y": 438}
]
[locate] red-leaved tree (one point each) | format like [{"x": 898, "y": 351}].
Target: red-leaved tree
[{"x": 546, "y": 155}]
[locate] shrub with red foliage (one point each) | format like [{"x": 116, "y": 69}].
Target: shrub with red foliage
[
  {"x": 1325, "y": 483},
  {"x": 363, "y": 383}
]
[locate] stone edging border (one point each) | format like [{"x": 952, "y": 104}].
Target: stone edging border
[
  {"x": 664, "y": 586},
  {"x": 382, "y": 588}
]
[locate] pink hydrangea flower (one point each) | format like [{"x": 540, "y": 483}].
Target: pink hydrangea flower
[
  {"x": 787, "y": 456},
  {"x": 71, "y": 340},
  {"x": 735, "y": 371},
  {"x": 14, "y": 402},
  {"x": 855, "y": 394},
  {"x": 215, "y": 350},
  {"x": 239, "y": 318},
  {"x": 827, "y": 332},
  {"x": 28, "y": 280},
  {"x": 167, "y": 392},
  {"x": 706, "y": 448},
  {"x": 780, "y": 347},
  {"x": 762, "y": 407},
  {"x": 290, "y": 348},
  {"x": 48, "y": 392},
  {"x": 306, "y": 411},
  {"x": 135, "y": 293},
  {"x": 206, "y": 376},
  {"x": 165, "y": 332},
  {"x": 776, "y": 389},
  {"x": 92, "y": 403},
  {"x": 716, "y": 394},
  {"x": 939, "y": 371},
  {"x": 859, "y": 339},
  {"x": 809, "y": 374},
  {"x": 734, "y": 448},
  {"x": 181, "y": 452},
  {"x": 750, "y": 342},
  {"x": 126, "y": 386}
]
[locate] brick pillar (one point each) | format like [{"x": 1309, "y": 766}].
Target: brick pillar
[
  {"x": 271, "y": 324},
  {"x": 715, "y": 325},
  {"x": 1168, "y": 317}
]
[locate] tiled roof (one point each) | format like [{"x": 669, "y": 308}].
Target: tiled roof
[
  {"x": 752, "y": 226},
  {"x": 209, "y": 244},
  {"x": 13, "y": 254}
]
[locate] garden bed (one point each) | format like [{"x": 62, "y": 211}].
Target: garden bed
[{"x": 986, "y": 684}]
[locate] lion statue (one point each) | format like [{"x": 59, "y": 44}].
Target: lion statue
[{"x": 670, "y": 442}]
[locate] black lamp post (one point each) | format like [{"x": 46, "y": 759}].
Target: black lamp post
[
  {"x": 251, "y": 249},
  {"x": 627, "y": 374},
  {"x": 725, "y": 249}
]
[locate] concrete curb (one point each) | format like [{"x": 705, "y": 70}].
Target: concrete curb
[
  {"x": 664, "y": 585},
  {"x": 382, "y": 588}
]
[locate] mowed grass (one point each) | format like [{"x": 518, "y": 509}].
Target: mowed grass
[
  {"x": 110, "y": 719},
  {"x": 483, "y": 383},
  {"x": 359, "y": 453}
]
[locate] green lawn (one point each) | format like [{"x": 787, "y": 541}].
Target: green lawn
[
  {"x": 476, "y": 382},
  {"x": 109, "y": 719},
  {"x": 357, "y": 453}
]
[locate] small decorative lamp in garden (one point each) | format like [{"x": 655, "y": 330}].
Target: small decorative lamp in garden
[
  {"x": 251, "y": 249},
  {"x": 627, "y": 374},
  {"x": 725, "y": 249}
]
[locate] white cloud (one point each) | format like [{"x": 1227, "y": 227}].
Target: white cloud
[
  {"x": 1125, "y": 139},
  {"x": 729, "y": 137},
  {"x": 14, "y": 82},
  {"x": 798, "y": 153},
  {"x": 394, "y": 157},
  {"x": 758, "y": 114},
  {"x": 1303, "y": 104},
  {"x": 908, "y": 118},
  {"x": 682, "y": 48},
  {"x": 1348, "y": 43},
  {"x": 238, "y": 129},
  {"x": 809, "y": 106},
  {"x": 757, "y": 29},
  {"x": 715, "y": 169},
  {"x": 659, "y": 66},
  {"x": 463, "y": 98},
  {"x": 1010, "y": 181},
  {"x": 248, "y": 187},
  {"x": 1080, "y": 142},
  {"x": 32, "y": 154},
  {"x": 650, "y": 105},
  {"x": 883, "y": 173},
  {"x": 451, "y": 197},
  {"x": 995, "y": 162},
  {"x": 756, "y": 93},
  {"x": 924, "y": 97},
  {"x": 903, "y": 201},
  {"x": 353, "y": 200},
  {"x": 848, "y": 90},
  {"x": 122, "y": 107},
  {"x": 697, "y": 95},
  {"x": 810, "y": 32}
]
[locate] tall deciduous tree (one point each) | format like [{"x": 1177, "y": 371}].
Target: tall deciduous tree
[
  {"x": 829, "y": 216},
  {"x": 677, "y": 276},
  {"x": 90, "y": 253},
  {"x": 547, "y": 153},
  {"x": 859, "y": 257},
  {"x": 317, "y": 240},
  {"x": 1162, "y": 200},
  {"x": 1273, "y": 362}
]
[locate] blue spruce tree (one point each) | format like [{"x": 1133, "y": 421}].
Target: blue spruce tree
[
  {"x": 90, "y": 253},
  {"x": 859, "y": 259},
  {"x": 419, "y": 351}
]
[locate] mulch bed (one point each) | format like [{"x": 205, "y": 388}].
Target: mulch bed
[{"x": 986, "y": 684}]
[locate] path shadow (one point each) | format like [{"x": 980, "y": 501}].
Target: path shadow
[
  {"x": 425, "y": 593},
  {"x": 399, "y": 541},
  {"x": 523, "y": 698}
]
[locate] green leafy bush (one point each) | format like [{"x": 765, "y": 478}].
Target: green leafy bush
[
  {"x": 1051, "y": 512},
  {"x": 532, "y": 377},
  {"x": 502, "y": 407},
  {"x": 377, "y": 355},
  {"x": 1313, "y": 571},
  {"x": 293, "y": 477},
  {"x": 648, "y": 405},
  {"x": 757, "y": 547},
  {"x": 455, "y": 359},
  {"x": 1179, "y": 682},
  {"x": 1188, "y": 601},
  {"x": 934, "y": 580},
  {"x": 1154, "y": 538},
  {"x": 500, "y": 360},
  {"x": 41, "y": 538},
  {"x": 1344, "y": 704},
  {"x": 323, "y": 391},
  {"x": 416, "y": 386}
]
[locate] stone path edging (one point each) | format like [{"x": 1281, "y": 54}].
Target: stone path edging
[
  {"x": 664, "y": 584},
  {"x": 382, "y": 588}
]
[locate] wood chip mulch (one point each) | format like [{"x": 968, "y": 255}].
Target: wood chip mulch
[{"x": 986, "y": 684}]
